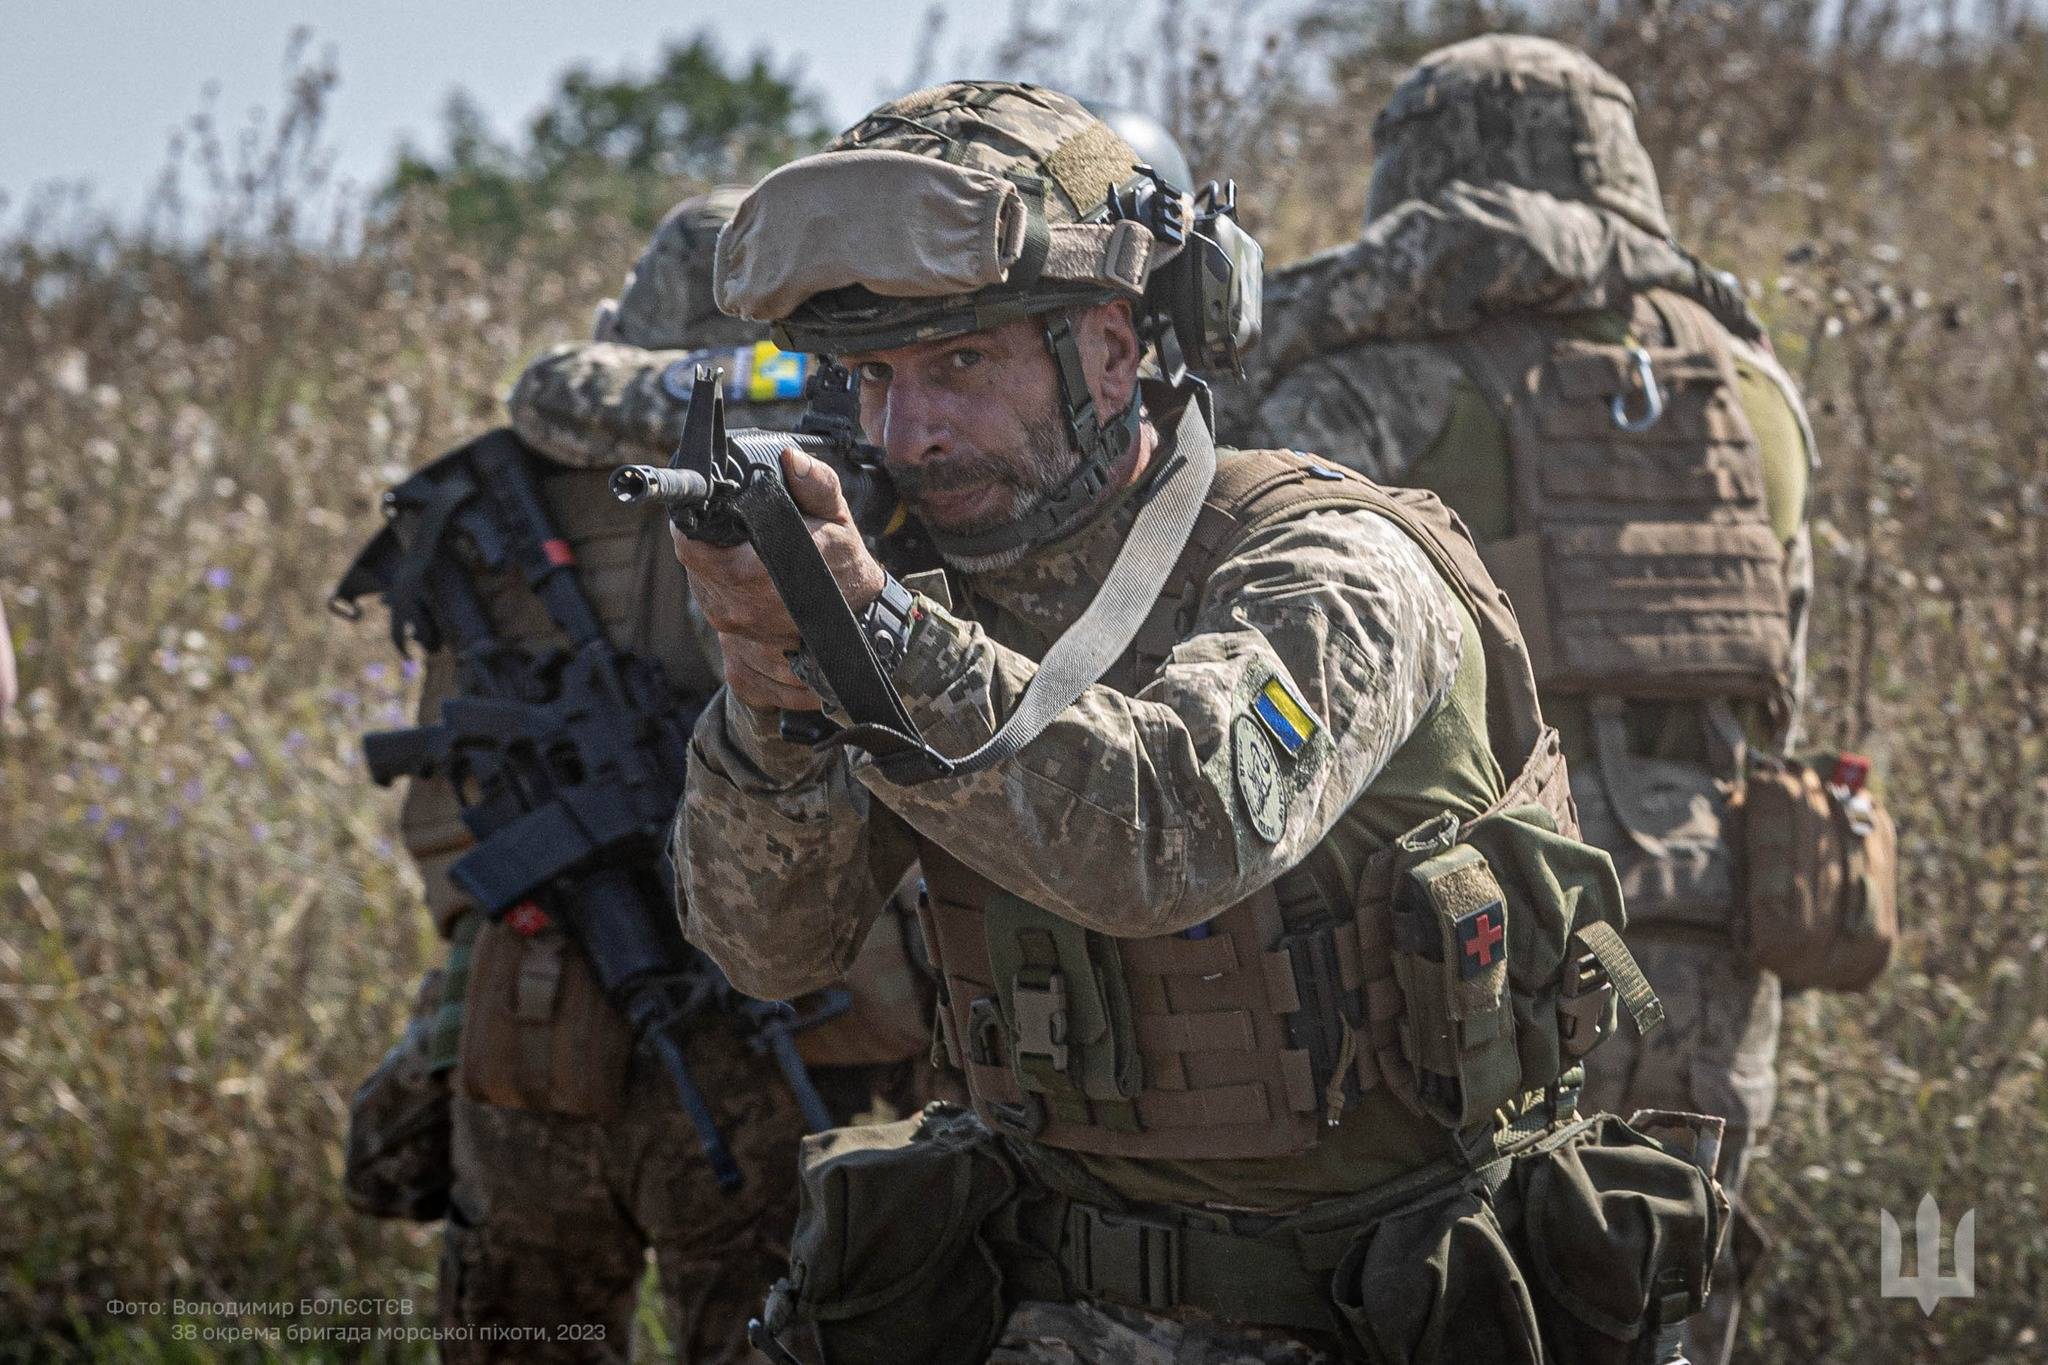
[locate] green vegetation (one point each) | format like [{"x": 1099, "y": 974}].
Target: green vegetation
[
  {"x": 206, "y": 937},
  {"x": 617, "y": 146}
]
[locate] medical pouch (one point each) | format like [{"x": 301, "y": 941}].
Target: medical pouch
[
  {"x": 1819, "y": 861},
  {"x": 537, "y": 1032},
  {"x": 1451, "y": 962}
]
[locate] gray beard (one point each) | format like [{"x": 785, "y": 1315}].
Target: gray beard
[{"x": 1053, "y": 460}]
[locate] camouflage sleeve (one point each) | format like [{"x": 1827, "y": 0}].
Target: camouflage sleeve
[
  {"x": 1318, "y": 647},
  {"x": 783, "y": 860},
  {"x": 591, "y": 404},
  {"x": 1375, "y": 408}
]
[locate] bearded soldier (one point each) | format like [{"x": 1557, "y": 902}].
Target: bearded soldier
[
  {"x": 572, "y": 1154},
  {"x": 1267, "y": 946},
  {"x": 1518, "y": 332}
]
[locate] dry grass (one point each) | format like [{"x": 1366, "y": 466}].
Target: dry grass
[{"x": 205, "y": 937}]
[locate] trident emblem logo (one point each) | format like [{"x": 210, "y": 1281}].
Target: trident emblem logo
[{"x": 1927, "y": 1284}]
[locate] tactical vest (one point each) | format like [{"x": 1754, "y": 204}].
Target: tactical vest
[
  {"x": 1643, "y": 562},
  {"x": 1243, "y": 1037}
]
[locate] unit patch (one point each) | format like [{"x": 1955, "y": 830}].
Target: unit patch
[
  {"x": 1259, "y": 783},
  {"x": 1286, "y": 716}
]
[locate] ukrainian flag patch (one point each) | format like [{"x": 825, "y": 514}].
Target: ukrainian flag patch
[
  {"x": 775, "y": 375},
  {"x": 1285, "y": 716}
]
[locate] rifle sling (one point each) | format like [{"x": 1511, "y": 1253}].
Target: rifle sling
[{"x": 881, "y": 725}]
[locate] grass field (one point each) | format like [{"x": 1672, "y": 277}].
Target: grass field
[{"x": 206, "y": 938}]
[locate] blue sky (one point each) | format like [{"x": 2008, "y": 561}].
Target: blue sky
[{"x": 91, "y": 89}]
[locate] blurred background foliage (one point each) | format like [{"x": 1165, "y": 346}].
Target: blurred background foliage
[
  {"x": 207, "y": 938},
  {"x": 614, "y": 146}
]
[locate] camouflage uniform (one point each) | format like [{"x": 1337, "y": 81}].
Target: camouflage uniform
[
  {"x": 1140, "y": 784},
  {"x": 1486, "y": 204},
  {"x": 558, "y": 1196}
]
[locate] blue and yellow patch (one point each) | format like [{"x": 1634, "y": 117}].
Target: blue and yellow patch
[
  {"x": 1285, "y": 716},
  {"x": 775, "y": 375},
  {"x": 759, "y": 373}
]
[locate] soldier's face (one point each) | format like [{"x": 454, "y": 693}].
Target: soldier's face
[{"x": 971, "y": 427}]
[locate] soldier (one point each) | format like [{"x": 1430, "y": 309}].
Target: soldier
[
  {"x": 1518, "y": 332},
  {"x": 571, "y": 1153},
  {"x": 1224, "y": 914}
]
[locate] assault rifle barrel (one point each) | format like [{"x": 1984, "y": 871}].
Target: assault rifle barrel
[{"x": 636, "y": 483}]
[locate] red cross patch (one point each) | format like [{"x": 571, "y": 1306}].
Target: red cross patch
[{"x": 1482, "y": 939}]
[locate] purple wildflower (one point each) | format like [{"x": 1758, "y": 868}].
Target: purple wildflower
[
  {"x": 374, "y": 672},
  {"x": 259, "y": 831},
  {"x": 240, "y": 663},
  {"x": 410, "y": 668},
  {"x": 344, "y": 699},
  {"x": 95, "y": 814},
  {"x": 117, "y": 831},
  {"x": 168, "y": 660},
  {"x": 108, "y": 773},
  {"x": 231, "y": 621},
  {"x": 193, "y": 792},
  {"x": 295, "y": 741},
  {"x": 218, "y": 578},
  {"x": 222, "y": 723},
  {"x": 243, "y": 758}
]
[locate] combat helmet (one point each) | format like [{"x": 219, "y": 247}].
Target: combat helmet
[
  {"x": 1155, "y": 145},
  {"x": 1515, "y": 110},
  {"x": 667, "y": 302},
  {"x": 973, "y": 204}
]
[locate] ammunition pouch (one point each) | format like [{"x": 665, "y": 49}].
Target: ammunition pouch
[
  {"x": 1819, "y": 884},
  {"x": 1591, "y": 1244},
  {"x": 537, "y": 1032},
  {"x": 397, "y": 1162},
  {"x": 1066, "y": 1013},
  {"x": 1669, "y": 826},
  {"x": 894, "y": 1256},
  {"x": 1587, "y": 1240}
]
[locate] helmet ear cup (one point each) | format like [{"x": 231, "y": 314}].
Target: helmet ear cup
[{"x": 1210, "y": 293}]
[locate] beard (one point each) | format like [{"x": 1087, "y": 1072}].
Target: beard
[{"x": 1029, "y": 475}]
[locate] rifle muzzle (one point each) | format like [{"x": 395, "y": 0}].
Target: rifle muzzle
[{"x": 638, "y": 482}]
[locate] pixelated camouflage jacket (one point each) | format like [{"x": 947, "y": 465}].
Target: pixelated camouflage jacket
[{"x": 1122, "y": 816}]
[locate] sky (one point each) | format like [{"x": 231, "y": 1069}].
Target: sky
[{"x": 91, "y": 90}]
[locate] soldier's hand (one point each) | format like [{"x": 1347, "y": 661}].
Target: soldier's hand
[{"x": 738, "y": 598}]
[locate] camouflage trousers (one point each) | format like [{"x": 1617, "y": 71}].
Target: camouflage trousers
[
  {"x": 1040, "y": 1333},
  {"x": 1716, "y": 1054},
  {"x": 551, "y": 1218}
]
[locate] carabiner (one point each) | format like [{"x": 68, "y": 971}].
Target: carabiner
[{"x": 1653, "y": 397}]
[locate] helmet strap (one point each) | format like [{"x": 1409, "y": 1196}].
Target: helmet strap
[{"x": 1101, "y": 444}]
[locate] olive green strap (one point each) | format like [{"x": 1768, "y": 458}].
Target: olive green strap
[
  {"x": 444, "y": 1045},
  {"x": 1160, "y": 1265},
  {"x": 1604, "y": 943}
]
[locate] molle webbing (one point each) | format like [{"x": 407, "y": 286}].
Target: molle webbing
[
  {"x": 1235, "y": 1029},
  {"x": 1255, "y": 489},
  {"x": 1643, "y": 562}
]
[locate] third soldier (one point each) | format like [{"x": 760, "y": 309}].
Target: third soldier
[{"x": 1518, "y": 332}]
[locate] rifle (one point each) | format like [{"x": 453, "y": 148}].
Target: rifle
[
  {"x": 569, "y": 761},
  {"x": 726, "y": 488}
]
